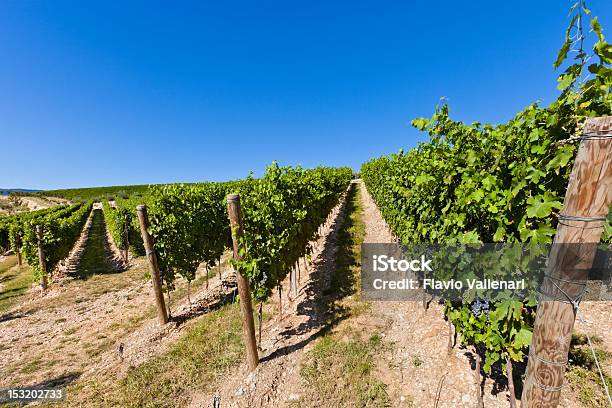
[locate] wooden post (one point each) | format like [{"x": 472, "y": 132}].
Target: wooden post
[
  {"x": 509, "y": 374},
  {"x": 18, "y": 245},
  {"x": 479, "y": 379},
  {"x": 298, "y": 268},
  {"x": 143, "y": 219},
  {"x": 41, "y": 257},
  {"x": 293, "y": 279},
  {"x": 206, "y": 269},
  {"x": 260, "y": 318},
  {"x": 244, "y": 290},
  {"x": 587, "y": 202},
  {"x": 126, "y": 238}
]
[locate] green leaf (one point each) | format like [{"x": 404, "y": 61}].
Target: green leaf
[
  {"x": 541, "y": 206},
  {"x": 562, "y": 53},
  {"x": 565, "y": 81},
  {"x": 596, "y": 27},
  {"x": 523, "y": 338}
]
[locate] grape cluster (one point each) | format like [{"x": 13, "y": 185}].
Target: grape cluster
[{"x": 479, "y": 307}]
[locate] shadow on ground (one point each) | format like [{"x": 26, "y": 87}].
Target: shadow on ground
[{"x": 332, "y": 280}]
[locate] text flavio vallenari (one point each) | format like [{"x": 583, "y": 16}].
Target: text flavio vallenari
[{"x": 384, "y": 263}]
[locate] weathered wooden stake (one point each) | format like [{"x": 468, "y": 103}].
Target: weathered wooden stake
[
  {"x": 509, "y": 374},
  {"x": 169, "y": 302},
  {"x": 450, "y": 337},
  {"x": 18, "y": 245},
  {"x": 126, "y": 237},
  {"x": 479, "y": 380},
  {"x": 143, "y": 219},
  {"x": 244, "y": 290},
  {"x": 298, "y": 268},
  {"x": 41, "y": 257},
  {"x": 260, "y": 318},
  {"x": 293, "y": 279},
  {"x": 280, "y": 302},
  {"x": 587, "y": 202}
]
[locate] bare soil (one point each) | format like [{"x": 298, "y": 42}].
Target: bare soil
[{"x": 32, "y": 203}]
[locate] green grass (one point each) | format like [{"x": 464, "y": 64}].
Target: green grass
[
  {"x": 93, "y": 260},
  {"x": 15, "y": 282},
  {"x": 340, "y": 373},
  {"x": 339, "y": 369},
  {"x": 32, "y": 366},
  {"x": 90, "y": 193},
  {"x": 582, "y": 373},
  {"x": 207, "y": 350}
]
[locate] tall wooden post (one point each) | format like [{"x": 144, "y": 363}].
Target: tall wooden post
[
  {"x": 587, "y": 202},
  {"x": 126, "y": 239},
  {"x": 244, "y": 290},
  {"x": 18, "y": 250},
  {"x": 41, "y": 257},
  {"x": 293, "y": 279},
  {"x": 143, "y": 218}
]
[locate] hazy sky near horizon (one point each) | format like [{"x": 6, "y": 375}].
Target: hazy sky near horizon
[{"x": 103, "y": 93}]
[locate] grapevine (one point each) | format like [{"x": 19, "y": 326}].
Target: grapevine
[
  {"x": 504, "y": 183},
  {"x": 61, "y": 229}
]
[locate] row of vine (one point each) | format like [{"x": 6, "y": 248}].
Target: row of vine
[
  {"x": 7, "y": 221},
  {"x": 505, "y": 183},
  {"x": 190, "y": 226},
  {"x": 62, "y": 227}
]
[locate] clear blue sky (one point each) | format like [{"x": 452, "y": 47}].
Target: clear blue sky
[{"x": 107, "y": 94}]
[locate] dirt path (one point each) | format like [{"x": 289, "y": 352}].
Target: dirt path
[{"x": 95, "y": 257}]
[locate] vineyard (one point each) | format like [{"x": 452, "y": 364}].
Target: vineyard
[
  {"x": 284, "y": 212},
  {"x": 250, "y": 292}
]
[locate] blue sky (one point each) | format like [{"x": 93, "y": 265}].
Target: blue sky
[{"x": 108, "y": 94}]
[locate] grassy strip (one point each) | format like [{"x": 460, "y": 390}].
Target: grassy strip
[
  {"x": 15, "y": 282},
  {"x": 201, "y": 356},
  {"x": 93, "y": 260},
  {"x": 339, "y": 370},
  {"x": 206, "y": 351},
  {"x": 340, "y": 373},
  {"x": 582, "y": 372}
]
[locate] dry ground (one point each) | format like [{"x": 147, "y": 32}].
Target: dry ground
[{"x": 31, "y": 203}]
